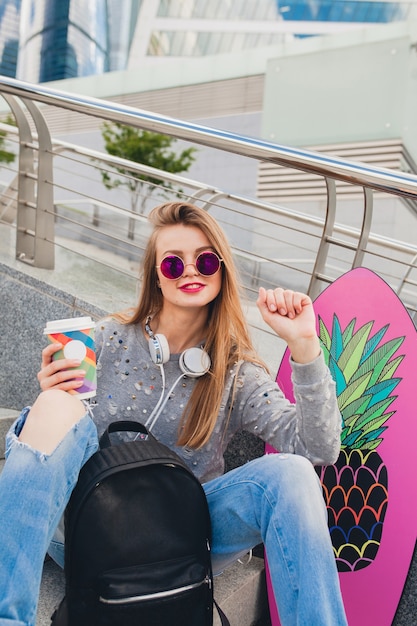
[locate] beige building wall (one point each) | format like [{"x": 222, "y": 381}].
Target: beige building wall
[{"x": 359, "y": 87}]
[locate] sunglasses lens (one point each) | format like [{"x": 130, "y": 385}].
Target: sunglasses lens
[
  {"x": 172, "y": 267},
  {"x": 207, "y": 263}
]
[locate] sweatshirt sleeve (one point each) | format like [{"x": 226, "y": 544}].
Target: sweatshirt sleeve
[{"x": 310, "y": 427}]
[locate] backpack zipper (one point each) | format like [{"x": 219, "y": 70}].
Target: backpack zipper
[{"x": 158, "y": 595}]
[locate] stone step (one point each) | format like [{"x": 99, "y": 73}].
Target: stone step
[
  {"x": 241, "y": 593},
  {"x": 7, "y": 417},
  {"x": 240, "y": 590}
]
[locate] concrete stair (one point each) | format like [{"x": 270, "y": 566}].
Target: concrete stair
[{"x": 240, "y": 590}]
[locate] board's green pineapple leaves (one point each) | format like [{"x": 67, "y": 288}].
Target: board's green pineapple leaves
[{"x": 356, "y": 487}]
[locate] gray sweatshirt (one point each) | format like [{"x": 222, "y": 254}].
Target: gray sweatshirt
[{"x": 130, "y": 385}]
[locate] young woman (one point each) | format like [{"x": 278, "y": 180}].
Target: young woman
[{"x": 183, "y": 363}]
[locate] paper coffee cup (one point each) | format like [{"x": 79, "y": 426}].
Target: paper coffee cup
[{"x": 76, "y": 334}]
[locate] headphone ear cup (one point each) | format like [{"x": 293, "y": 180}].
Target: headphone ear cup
[
  {"x": 194, "y": 362},
  {"x": 159, "y": 349}
]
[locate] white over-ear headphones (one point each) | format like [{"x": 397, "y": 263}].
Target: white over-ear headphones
[{"x": 193, "y": 362}]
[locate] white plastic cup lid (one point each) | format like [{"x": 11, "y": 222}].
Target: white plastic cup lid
[{"x": 69, "y": 324}]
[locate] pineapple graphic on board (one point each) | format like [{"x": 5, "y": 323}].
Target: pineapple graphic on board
[{"x": 363, "y": 367}]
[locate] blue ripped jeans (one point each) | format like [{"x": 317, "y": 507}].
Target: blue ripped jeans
[{"x": 275, "y": 499}]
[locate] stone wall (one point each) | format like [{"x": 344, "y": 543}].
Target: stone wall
[{"x": 26, "y": 304}]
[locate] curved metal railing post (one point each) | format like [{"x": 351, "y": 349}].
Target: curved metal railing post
[
  {"x": 323, "y": 251},
  {"x": 45, "y": 226},
  {"x": 26, "y": 212},
  {"x": 327, "y": 238},
  {"x": 366, "y": 227},
  {"x": 35, "y": 212}
]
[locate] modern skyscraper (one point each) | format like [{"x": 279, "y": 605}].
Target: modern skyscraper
[
  {"x": 9, "y": 36},
  {"x": 62, "y": 39}
]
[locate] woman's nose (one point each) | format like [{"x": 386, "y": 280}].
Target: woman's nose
[{"x": 188, "y": 265}]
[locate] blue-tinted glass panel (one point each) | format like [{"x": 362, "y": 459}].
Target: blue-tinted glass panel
[
  {"x": 342, "y": 11},
  {"x": 9, "y": 36}
]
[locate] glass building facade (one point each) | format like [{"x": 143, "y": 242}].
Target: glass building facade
[
  {"x": 44, "y": 40},
  {"x": 9, "y": 36},
  {"x": 214, "y": 27},
  {"x": 62, "y": 39},
  {"x": 178, "y": 28},
  {"x": 362, "y": 11},
  {"x": 122, "y": 16}
]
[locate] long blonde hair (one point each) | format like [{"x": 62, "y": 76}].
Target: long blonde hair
[{"x": 227, "y": 338}]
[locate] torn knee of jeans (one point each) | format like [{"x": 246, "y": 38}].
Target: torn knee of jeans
[
  {"x": 13, "y": 440},
  {"x": 16, "y": 443}
]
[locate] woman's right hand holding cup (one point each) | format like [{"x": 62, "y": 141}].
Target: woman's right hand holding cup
[{"x": 56, "y": 374}]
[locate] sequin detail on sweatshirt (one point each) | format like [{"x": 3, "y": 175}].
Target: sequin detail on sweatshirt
[{"x": 131, "y": 386}]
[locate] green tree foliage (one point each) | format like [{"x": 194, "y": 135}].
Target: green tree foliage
[
  {"x": 5, "y": 155},
  {"x": 148, "y": 148}
]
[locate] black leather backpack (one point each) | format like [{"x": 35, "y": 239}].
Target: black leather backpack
[{"x": 137, "y": 539}]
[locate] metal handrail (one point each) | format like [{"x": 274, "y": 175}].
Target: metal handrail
[
  {"x": 330, "y": 241},
  {"x": 210, "y": 194},
  {"x": 203, "y": 190},
  {"x": 388, "y": 181}
]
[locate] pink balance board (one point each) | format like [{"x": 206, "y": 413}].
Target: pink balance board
[{"x": 370, "y": 345}]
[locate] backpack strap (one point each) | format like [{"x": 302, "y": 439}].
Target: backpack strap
[
  {"x": 223, "y": 619},
  {"x": 122, "y": 426}
]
